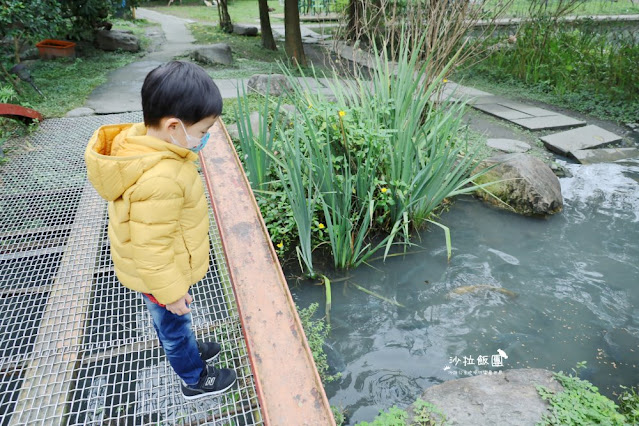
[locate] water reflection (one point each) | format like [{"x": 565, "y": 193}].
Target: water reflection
[{"x": 549, "y": 293}]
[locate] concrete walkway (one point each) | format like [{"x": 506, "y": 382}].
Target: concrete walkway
[{"x": 121, "y": 93}]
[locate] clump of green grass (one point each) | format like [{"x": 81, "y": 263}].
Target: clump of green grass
[
  {"x": 580, "y": 403},
  {"x": 424, "y": 414},
  {"x": 317, "y": 331},
  {"x": 629, "y": 404}
]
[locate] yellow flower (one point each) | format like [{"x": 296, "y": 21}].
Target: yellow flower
[
  {"x": 445, "y": 80},
  {"x": 321, "y": 226},
  {"x": 310, "y": 105},
  {"x": 342, "y": 113},
  {"x": 384, "y": 190},
  {"x": 280, "y": 245}
]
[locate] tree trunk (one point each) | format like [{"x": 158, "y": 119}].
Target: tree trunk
[
  {"x": 225, "y": 18},
  {"x": 268, "y": 42},
  {"x": 353, "y": 30},
  {"x": 292, "y": 33}
]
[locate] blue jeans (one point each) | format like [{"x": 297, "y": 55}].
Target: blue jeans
[{"x": 178, "y": 340}]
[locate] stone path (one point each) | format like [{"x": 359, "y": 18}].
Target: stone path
[{"x": 121, "y": 93}]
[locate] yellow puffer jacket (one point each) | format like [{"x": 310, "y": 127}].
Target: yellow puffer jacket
[{"x": 158, "y": 214}]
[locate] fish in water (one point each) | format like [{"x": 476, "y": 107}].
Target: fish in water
[{"x": 481, "y": 287}]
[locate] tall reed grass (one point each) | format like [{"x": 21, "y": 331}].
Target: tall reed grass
[{"x": 373, "y": 160}]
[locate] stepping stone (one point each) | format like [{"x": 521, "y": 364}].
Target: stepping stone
[
  {"x": 604, "y": 155},
  {"x": 458, "y": 91},
  {"x": 501, "y": 111},
  {"x": 482, "y": 100},
  {"x": 550, "y": 122},
  {"x": 578, "y": 139},
  {"x": 508, "y": 145},
  {"x": 527, "y": 109},
  {"x": 530, "y": 117}
]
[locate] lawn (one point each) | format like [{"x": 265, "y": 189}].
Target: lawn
[
  {"x": 66, "y": 83},
  {"x": 241, "y": 11},
  {"x": 249, "y": 57},
  {"x": 519, "y": 8}
]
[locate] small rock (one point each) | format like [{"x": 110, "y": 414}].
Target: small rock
[
  {"x": 29, "y": 54},
  {"x": 523, "y": 182},
  {"x": 559, "y": 170},
  {"x": 80, "y": 112},
  {"x": 508, "y": 145},
  {"x": 244, "y": 30},
  {"x": 287, "y": 110},
  {"x": 232, "y": 131},
  {"x": 254, "y": 118},
  {"x": 219, "y": 53},
  {"x": 114, "y": 40},
  {"x": 509, "y": 398},
  {"x": 277, "y": 84}
]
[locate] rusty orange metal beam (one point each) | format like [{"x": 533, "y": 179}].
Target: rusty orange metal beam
[{"x": 288, "y": 385}]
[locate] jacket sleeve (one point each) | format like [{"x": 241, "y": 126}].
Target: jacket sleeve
[{"x": 156, "y": 205}]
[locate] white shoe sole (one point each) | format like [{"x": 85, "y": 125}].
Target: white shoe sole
[
  {"x": 213, "y": 358},
  {"x": 214, "y": 393}
]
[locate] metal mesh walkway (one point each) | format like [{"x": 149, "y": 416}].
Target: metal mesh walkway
[{"x": 75, "y": 346}]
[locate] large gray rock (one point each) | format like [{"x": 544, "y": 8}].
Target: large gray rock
[
  {"x": 510, "y": 398},
  {"x": 524, "y": 182},
  {"x": 232, "y": 131},
  {"x": 278, "y": 84},
  {"x": 245, "y": 30},
  {"x": 114, "y": 40},
  {"x": 214, "y": 54},
  {"x": 254, "y": 118}
]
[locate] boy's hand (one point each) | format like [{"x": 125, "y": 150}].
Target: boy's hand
[{"x": 180, "y": 306}]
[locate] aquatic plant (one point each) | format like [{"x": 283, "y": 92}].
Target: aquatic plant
[
  {"x": 385, "y": 155},
  {"x": 255, "y": 155},
  {"x": 580, "y": 403}
]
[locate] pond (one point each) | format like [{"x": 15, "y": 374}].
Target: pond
[{"x": 546, "y": 293}]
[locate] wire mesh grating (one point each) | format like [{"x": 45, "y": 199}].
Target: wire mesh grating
[{"x": 76, "y": 347}]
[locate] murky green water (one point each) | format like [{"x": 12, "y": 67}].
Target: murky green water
[{"x": 575, "y": 279}]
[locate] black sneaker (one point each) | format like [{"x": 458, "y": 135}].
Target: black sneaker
[
  {"x": 208, "y": 350},
  {"x": 214, "y": 382}
]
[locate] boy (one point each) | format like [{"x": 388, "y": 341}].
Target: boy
[{"x": 158, "y": 214}]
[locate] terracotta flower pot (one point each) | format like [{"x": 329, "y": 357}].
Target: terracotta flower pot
[{"x": 50, "y": 49}]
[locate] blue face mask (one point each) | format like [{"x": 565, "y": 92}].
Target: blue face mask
[
  {"x": 200, "y": 142},
  {"x": 203, "y": 142}
]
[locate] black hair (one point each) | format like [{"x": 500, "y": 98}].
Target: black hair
[{"x": 182, "y": 90}]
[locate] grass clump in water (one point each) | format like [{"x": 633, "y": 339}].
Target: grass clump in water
[{"x": 580, "y": 403}]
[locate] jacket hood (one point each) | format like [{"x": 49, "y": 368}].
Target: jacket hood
[{"x": 117, "y": 155}]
